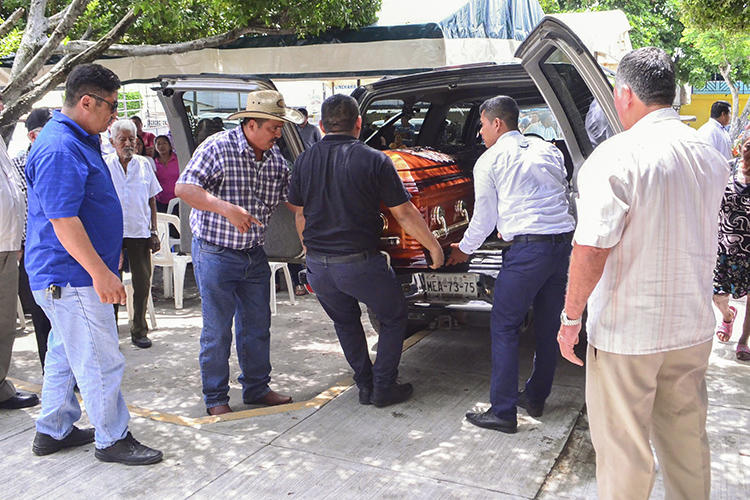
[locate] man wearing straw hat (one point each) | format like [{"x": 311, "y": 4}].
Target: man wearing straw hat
[{"x": 234, "y": 182}]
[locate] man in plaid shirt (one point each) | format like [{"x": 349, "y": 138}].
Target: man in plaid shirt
[{"x": 234, "y": 182}]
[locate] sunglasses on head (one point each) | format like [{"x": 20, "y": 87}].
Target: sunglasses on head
[{"x": 112, "y": 105}]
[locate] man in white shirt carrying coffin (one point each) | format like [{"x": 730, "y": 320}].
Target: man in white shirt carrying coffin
[
  {"x": 644, "y": 254},
  {"x": 521, "y": 191}
]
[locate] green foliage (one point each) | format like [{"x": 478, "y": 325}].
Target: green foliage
[
  {"x": 171, "y": 21},
  {"x": 731, "y": 15},
  {"x": 129, "y": 104},
  {"x": 654, "y": 22},
  {"x": 9, "y": 44}
]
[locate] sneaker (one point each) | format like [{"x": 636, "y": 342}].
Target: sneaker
[
  {"x": 129, "y": 451},
  {"x": 44, "y": 444},
  {"x": 396, "y": 393}
]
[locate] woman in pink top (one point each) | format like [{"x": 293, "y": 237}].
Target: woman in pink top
[{"x": 167, "y": 171}]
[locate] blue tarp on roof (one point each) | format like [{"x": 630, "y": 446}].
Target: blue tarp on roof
[{"x": 504, "y": 19}]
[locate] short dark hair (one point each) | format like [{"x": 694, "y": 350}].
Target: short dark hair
[
  {"x": 303, "y": 111},
  {"x": 649, "y": 72},
  {"x": 719, "y": 108},
  {"x": 89, "y": 78},
  {"x": 502, "y": 107},
  {"x": 339, "y": 113},
  {"x": 136, "y": 118}
]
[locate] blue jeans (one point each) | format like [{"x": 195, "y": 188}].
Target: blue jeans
[
  {"x": 82, "y": 347},
  {"x": 533, "y": 273},
  {"x": 339, "y": 288},
  {"x": 234, "y": 285}
]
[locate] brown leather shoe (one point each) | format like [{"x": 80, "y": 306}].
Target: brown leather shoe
[
  {"x": 218, "y": 410},
  {"x": 272, "y": 398}
]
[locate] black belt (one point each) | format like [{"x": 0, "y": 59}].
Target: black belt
[
  {"x": 554, "y": 238},
  {"x": 342, "y": 259}
]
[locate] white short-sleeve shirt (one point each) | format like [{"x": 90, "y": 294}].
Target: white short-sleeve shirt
[
  {"x": 716, "y": 135},
  {"x": 652, "y": 194},
  {"x": 134, "y": 191}
]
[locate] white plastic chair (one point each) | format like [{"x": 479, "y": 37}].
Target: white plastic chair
[
  {"x": 275, "y": 266},
  {"x": 127, "y": 281},
  {"x": 174, "y": 265},
  {"x": 170, "y": 206}
]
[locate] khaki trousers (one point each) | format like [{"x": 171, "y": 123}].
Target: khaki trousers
[
  {"x": 8, "y": 301},
  {"x": 662, "y": 396}
]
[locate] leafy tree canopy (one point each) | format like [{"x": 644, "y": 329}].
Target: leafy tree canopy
[
  {"x": 172, "y": 21},
  {"x": 731, "y": 15}
]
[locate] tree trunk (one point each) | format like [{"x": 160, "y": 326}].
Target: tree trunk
[
  {"x": 725, "y": 71},
  {"x": 742, "y": 122}
]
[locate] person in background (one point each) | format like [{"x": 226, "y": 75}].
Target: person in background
[
  {"x": 732, "y": 272},
  {"x": 714, "y": 130},
  {"x": 140, "y": 150},
  {"x": 205, "y": 128},
  {"x": 34, "y": 123},
  {"x": 73, "y": 246},
  {"x": 167, "y": 171},
  {"x": 147, "y": 137},
  {"x": 136, "y": 187},
  {"x": 644, "y": 253},
  {"x": 309, "y": 133},
  {"x": 11, "y": 230}
]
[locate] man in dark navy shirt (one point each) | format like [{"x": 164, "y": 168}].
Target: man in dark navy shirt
[{"x": 337, "y": 186}]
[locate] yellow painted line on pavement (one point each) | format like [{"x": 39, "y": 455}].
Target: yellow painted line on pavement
[{"x": 317, "y": 402}]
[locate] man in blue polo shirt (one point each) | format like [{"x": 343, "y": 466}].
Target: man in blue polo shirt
[
  {"x": 73, "y": 244},
  {"x": 336, "y": 189}
]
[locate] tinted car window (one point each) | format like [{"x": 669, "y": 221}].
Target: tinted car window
[{"x": 393, "y": 123}]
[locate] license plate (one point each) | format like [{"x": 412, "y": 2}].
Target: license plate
[{"x": 451, "y": 284}]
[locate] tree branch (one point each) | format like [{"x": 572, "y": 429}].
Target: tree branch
[
  {"x": 60, "y": 71},
  {"x": 75, "y": 46},
  {"x": 74, "y": 10},
  {"x": 11, "y": 21}
]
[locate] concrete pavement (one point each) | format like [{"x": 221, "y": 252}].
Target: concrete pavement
[{"x": 326, "y": 445}]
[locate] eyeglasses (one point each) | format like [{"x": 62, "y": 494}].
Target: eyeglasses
[{"x": 112, "y": 105}]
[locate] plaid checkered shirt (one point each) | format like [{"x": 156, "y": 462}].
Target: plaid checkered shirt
[{"x": 225, "y": 166}]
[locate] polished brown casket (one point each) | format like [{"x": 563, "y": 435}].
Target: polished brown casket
[{"x": 443, "y": 193}]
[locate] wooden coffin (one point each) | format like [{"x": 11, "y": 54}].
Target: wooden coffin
[{"x": 442, "y": 192}]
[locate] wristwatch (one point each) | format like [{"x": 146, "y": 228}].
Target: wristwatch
[
  {"x": 154, "y": 233},
  {"x": 565, "y": 321}
]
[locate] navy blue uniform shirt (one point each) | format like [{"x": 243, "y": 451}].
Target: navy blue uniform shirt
[{"x": 341, "y": 182}]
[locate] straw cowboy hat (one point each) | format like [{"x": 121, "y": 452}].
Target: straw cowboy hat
[{"x": 268, "y": 104}]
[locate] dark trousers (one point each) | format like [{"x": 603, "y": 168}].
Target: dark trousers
[
  {"x": 138, "y": 254},
  {"x": 339, "y": 287},
  {"x": 533, "y": 273},
  {"x": 38, "y": 318}
]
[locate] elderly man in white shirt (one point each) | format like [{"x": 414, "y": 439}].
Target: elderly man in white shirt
[
  {"x": 521, "y": 191},
  {"x": 12, "y": 208},
  {"x": 644, "y": 254},
  {"x": 136, "y": 186},
  {"x": 714, "y": 131}
]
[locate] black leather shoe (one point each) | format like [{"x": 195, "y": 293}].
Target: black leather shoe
[
  {"x": 44, "y": 444},
  {"x": 142, "y": 342},
  {"x": 396, "y": 393},
  {"x": 20, "y": 400},
  {"x": 489, "y": 420},
  {"x": 532, "y": 409},
  {"x": 128, "y": 451},
  {"x": 365, "y": 395}
]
